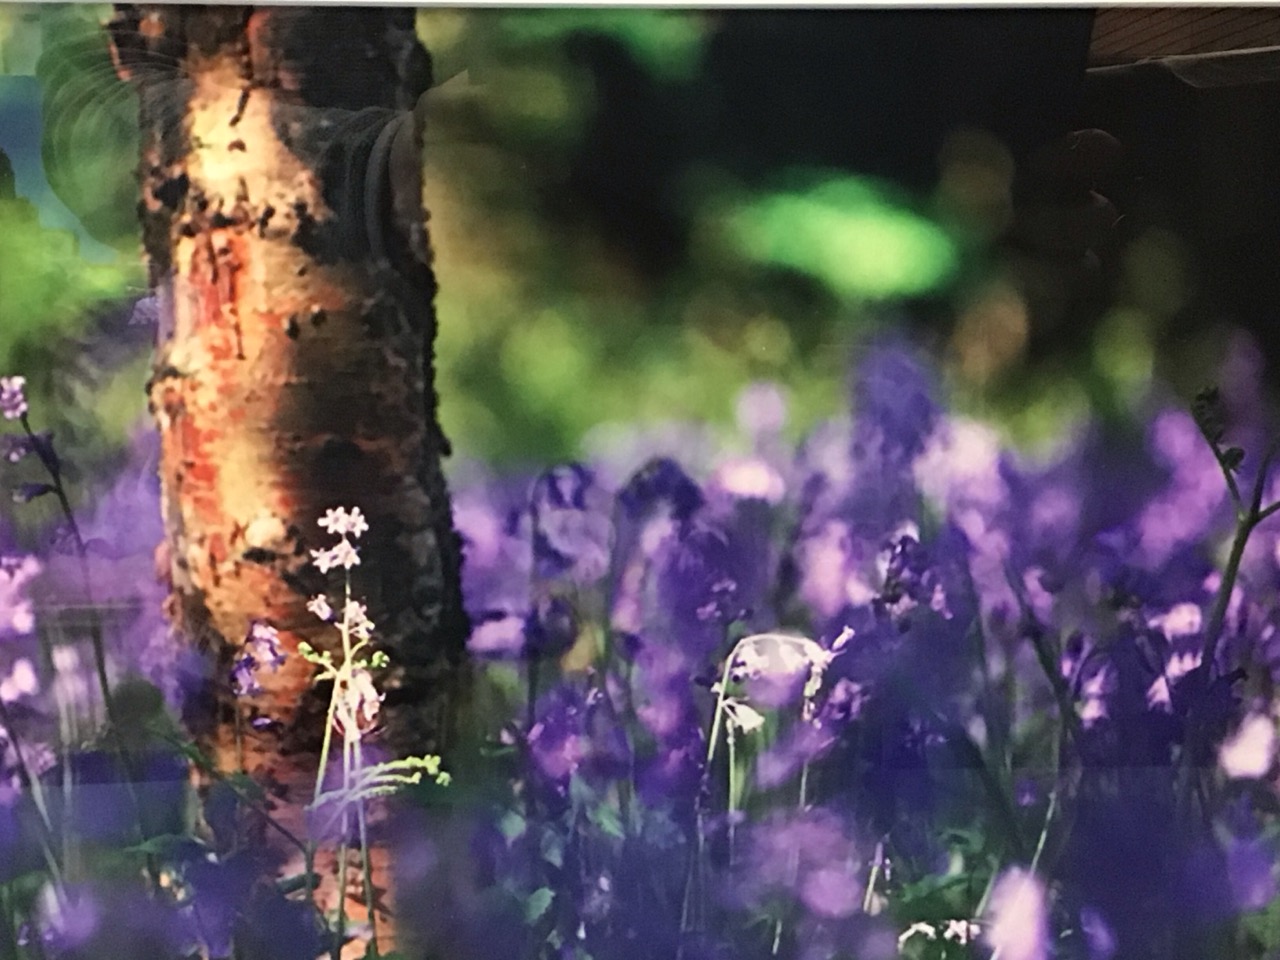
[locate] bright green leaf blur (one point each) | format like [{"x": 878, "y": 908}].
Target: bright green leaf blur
[{"x": 847, "y": 234}]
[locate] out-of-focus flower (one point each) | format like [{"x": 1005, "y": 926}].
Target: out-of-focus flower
[
  {"x": 761, "y": 409},
  {"x": 13, "y": 398},
  {"x": 1018, "y": 924},
  {"x": 343, "y": 523},
  {"x": 263, "y": 644},
  {"x": 570, "y": 523},
  {"x": 17, "y": 612},
  {"x": 1098, "y": 935},
  {"x": 21, "y": 681},
  {"x": 750, "y": 478},
  {"x": 1251, "y": 750},
  {"x": 261, "y": 649},
  {"x": 660, "y": 482},
  {"x": 808, "y": 856},
  {"x": 244, "y": 677},
  {"x": 497, "y": 634},
  {"x": 67, "y": 919}
]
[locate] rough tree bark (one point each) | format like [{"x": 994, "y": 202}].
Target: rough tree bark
[{"x": 293, "y": 368}]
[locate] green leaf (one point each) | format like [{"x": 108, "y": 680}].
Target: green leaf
[
  {"x": 300, "y": 881},
  {"x": 606, "y": 818},
  {"x": 552, "y": 847},
  {"x": 1265, "y": 925},
  {"x": 538, "y": 903},
  {"x": 512, "y": 826},
  {"x": 161, "y": 845}
]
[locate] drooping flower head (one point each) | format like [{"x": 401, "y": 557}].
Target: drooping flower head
[
  {"x": 261, "y": 649},
  {"x": 13, "y": 398},
  {"x": 570, "y": 525}
]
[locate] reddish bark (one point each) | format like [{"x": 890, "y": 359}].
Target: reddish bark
[{"x": 293, "y": 369}]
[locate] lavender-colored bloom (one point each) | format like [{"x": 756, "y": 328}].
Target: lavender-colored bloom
[
  {"x": 263, "y": 645},
  {"x": 761, "y": 409},
  {"x": 319, "y": 605},
  {"x": 15, "y": 446},
  {"x": 497, "y": 634},
  {"x": 808, "y": 857},
  {"x": 244, "y": 677},
  {"x": 13, "y": 398},
  {"x": 1098, "y": 935},
  {"x": 1018, "y": 926},
  {"x": 570, "y": 525},
  {"x": 67, "y": 923},
  {"x": 661, "y": 483},
  {"x": 1250, "y": 752},
  {"x": 26, "y": 492},
  {"x": 17, "y": 613},
  {"x": 893, "y": 397},
  {"x": 750, "y": 478}
]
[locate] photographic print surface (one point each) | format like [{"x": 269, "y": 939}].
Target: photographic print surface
[{"x": 601, "y": 483}]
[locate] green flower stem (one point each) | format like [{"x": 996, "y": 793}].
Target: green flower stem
[
  {"x": 326, "y": 745},
  {"x": 696, "y": 855},
  {"x": 31, "y": 783},
  {"x": 8, "y": 933},
  {"x": 734, "y": 786},
  {"x": 363, "y": 823},
  {"x": 96, "y": 639},
  {"x": 1201, "y": 678}
]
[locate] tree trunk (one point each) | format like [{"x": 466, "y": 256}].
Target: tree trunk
[{"x": 293, "y": 369}]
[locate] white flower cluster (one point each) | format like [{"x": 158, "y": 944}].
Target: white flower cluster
[
  {"x": 343, "y": 523},
  {"x": 957, "y": 931}
]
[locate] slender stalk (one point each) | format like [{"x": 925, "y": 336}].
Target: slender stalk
[
  {"x": 31, "y": 784},
  {"x": 52, "y": 467},
  {"x": 1201, "y": 677},
  {"x": 362, "y": 821},
  {"x": 8, "y": 933},
  {"x": 326, "y": 743},
  {"x": 733, "y": 793},
  {"x": 696, "y": 854},
  {"x": 869, "y": 895}
]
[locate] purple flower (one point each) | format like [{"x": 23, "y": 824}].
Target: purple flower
[
  {"x": 263, "y": 644},
  {"x": 570, "y": 525},
  {"x": 809, "y": 857},
  {"x": 244, "y": 677},
  {"x": 1018, "y": 925},
  {"x": 659, "y": 483},
  {"x": 893, "y": 398},
  {"x": 13, "y": 399},
  {"x": 761, "y": 409}
]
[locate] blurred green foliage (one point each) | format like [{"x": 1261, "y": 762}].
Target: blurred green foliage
[{"x": 598, "y": 265}]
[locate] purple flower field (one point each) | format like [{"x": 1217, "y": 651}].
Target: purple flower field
[{"x": 898, "y": 691}]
